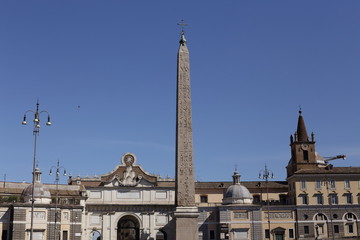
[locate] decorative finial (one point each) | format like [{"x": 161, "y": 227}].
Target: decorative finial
[
  {"x": 182, "y": 24},
  {"x": 300, "y": 109},
  {"x": 236, "y": 177}
]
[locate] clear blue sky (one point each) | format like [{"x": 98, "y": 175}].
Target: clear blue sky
[{"x": 106, "y": 72}]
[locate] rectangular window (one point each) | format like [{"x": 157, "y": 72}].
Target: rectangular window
[
  {"x": 306, "y": 155},
  {"x": 267, "y": 233},
  {"x": 306, "y": 229},
  {"x": 291, "y": 233},
  {"x": 350, "y": 228},
  {"x": 212, "y": 234},
  {"x": 204, "y": 199},
  {"x": 348, "y": 197},
  {"x": 317, "y": 184},
  {"x": 332, "y": 184},
  {"x": 336, "y": 228},
  {"x": 256, "y": 199},
  {"x": 304, "y": 199},
  {"x": 282, "y": 198},
  {"x": 347, "y": 183},
  {"x": 333, "y": 199},
  {"x": 303, "y": 185},
  {"x": 319, "y": 199}
]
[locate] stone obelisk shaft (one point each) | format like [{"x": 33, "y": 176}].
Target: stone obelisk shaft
[
  {"x": 186, "y": 212},
  {"x": 185, "y": 185}
]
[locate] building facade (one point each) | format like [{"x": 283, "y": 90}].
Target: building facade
[{"x": 317, "y": 201}]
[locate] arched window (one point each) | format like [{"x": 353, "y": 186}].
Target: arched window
[
  {"x": 320, "y": 217},
  {"x": 350, "y": 216}
]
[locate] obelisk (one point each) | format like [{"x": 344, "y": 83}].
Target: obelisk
[{"x": 186, "y": 211}]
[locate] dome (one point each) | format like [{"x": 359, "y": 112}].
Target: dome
[
  {"x": 237, "y": 193},
  {"x": 41, "y": 193}
]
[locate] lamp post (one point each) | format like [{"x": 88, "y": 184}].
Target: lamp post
[
  {"x": 58, "y": 169},
  {"x": 266, "y": 174},
  {"x": 36, "y": 129},
  {"x": 327, "y": 182}
]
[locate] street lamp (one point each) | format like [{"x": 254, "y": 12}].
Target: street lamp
[
  {"x": 266, "y": 174},
  {"x": 58, "y": 169},
  {"x": 327, "y": 181},
  {"x": 36, "y": 129}
]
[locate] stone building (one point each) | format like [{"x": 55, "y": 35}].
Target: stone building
[{"x": 15, "y": 210}]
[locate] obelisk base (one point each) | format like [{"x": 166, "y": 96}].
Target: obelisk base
[{"x": 186, "y": 223}]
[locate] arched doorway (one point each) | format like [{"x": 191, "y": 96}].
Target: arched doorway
[{"x": 128, "y": 228}]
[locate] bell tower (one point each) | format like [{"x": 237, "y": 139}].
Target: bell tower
[{"x": 302, "y": 149}]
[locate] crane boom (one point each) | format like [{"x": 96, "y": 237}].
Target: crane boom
[
  {"x": 324, "y": 161},
  {"x": 327, "y": 159}
]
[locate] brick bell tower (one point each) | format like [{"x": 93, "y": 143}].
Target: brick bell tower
[{"x": 302, "y": 149}]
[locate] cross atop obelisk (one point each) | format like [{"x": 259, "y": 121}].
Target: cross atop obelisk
[
  {"x": 186, "y": 212},
  {"x": 182, "y": 24}
]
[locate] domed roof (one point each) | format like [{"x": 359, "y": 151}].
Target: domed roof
[
  {"x": 41, "y": 193},
  {"x": 237, "y": 193}
]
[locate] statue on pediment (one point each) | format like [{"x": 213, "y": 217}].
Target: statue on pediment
[{"x": 129, "y": 178}]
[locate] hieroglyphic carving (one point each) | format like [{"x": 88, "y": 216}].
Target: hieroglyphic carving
[{"x": 185, "y": 186}]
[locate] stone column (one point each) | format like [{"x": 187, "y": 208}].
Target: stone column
[{"x": 186, "y": 211}]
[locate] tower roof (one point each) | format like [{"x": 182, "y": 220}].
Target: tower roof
[{"x": 301, "y": 129}]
